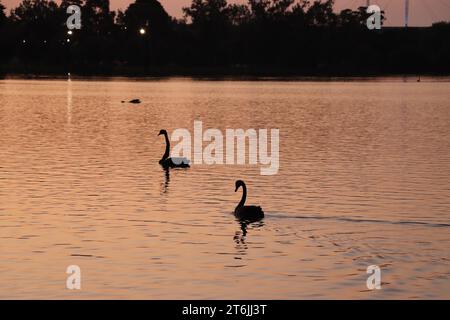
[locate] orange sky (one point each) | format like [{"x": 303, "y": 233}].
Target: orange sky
[{"x": 422, "y": 12}]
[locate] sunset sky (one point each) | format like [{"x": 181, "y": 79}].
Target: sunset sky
[{"x": 422, "y": 12}]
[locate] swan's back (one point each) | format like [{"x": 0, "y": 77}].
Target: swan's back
[
  {"x": 175, "y": 163},
  {"x": 250, "y": 212}
]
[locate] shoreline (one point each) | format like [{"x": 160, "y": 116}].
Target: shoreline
[
  {"x": 261, "y": 78},
  {"x": 238, "y": 72}
]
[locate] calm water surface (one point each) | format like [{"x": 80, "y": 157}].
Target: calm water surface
[{"x": 364, "y": 179}]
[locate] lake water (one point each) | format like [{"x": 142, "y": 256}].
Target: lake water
[{"x": 364, "y": 180}]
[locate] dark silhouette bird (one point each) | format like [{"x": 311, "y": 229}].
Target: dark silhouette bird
[
  {"x": 168, "y": 162},
  {"x": 134, "y": 101},
  {"x": 244, "y": 212}
]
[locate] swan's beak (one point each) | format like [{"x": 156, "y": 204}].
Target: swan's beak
[
  {"x": 235, "y": 189},
  {"x": 159, "y": 134}
]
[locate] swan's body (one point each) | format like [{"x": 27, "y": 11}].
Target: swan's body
[
  {"x": 174, "y": 163},
  {"x": 168, "y": 162},
  {"x": 246, "y": 212}
]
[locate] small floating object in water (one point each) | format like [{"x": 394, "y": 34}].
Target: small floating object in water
[{"x": 135, "y": 101}]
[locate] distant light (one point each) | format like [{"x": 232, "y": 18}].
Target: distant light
[
  {"x": 68, "y": 40},
  {"x": 45, "y": 41},
  {"x": 70, "y": 32},
  {"x": 142, "y": 31},
  {"x": 24, "y": 41}
]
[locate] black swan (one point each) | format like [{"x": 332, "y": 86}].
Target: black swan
[
  {"x": 246, "y": 212},
  {"x": 168, "y": 162}
]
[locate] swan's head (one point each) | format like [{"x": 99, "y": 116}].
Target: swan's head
[
  {"x": 239, "y": 183},
  {"x": 162, "y": 131}
]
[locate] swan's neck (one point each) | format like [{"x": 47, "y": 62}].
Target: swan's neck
[
  {"x": 244, "y": 197},
  {"x": 167, "y": 152}
]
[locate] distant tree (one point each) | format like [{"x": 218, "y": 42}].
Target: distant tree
[
  {"x": 34, "y": 11},
  {"x": 321, "y": 13},
  {"x": 348, "y": 17},
  {"x": 146, "y": 32},
  {"x": 211, "y": 23},
  {"x": 279, "y": 9},
  {"x": 120, "y": 18},
  {"x": 270, "y": 9},
  {"x": 38, "y": 19},
  {"x": 148, "y": 14},
  {"x": 259, "y": 9},
  {"x": 34, "y": 33},
  {"x": 97, "y": 18},
  {"x": 358, "y": 17},
  {"x": 2, "y": 14},
  {"x": 298, "y": 36},
  {"x": 5, "y": 36},
  {"x": 298, "y": 13},
  {"x": 441, "y": 24},
  {"x": 239, "y": 14},
  {"x": 208, "y": 13}
]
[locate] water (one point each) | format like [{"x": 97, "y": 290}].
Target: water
[{"x": 364, "y": 179}]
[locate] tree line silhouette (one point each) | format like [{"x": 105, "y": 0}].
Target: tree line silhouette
[{"x": 262, "y": 37}]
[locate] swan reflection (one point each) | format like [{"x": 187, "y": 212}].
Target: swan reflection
[
  {"x": 240, "y": 236},
  {"x": 165, "y": 184}
]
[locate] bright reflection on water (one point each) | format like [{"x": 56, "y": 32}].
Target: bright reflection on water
[{"x": 364, "y": 179}]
